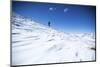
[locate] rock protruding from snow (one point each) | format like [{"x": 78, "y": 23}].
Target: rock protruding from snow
[{"x": 34, "y": 43}]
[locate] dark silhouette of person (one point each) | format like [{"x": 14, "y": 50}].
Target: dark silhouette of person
[{"x": 49, "y": 24}]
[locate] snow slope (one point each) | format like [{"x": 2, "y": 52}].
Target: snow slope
[{"x": 34, "y": 43}]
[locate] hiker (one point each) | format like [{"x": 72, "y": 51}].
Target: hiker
[{"x": 49, "y": 24}]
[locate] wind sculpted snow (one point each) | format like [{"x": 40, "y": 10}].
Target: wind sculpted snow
[{"x": 34, "y": 43}]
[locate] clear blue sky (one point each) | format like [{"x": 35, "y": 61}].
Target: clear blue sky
[{"x": 67, "y": 18}]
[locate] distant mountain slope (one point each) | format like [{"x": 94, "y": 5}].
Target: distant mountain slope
[{"x": 34, "y": 43}]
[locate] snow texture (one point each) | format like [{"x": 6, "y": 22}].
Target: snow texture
[{"x": 34, "y": 43}]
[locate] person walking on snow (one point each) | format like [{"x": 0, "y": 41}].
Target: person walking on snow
[{"x": 49, "y": 24}]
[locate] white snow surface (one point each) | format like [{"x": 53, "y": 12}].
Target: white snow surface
[{"x": 34, "y": 43}]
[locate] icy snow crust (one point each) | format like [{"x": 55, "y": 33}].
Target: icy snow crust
[{"x": 34, "y": 43}]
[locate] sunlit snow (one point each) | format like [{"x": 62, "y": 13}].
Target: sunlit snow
[{"x": 34, "y": 43}]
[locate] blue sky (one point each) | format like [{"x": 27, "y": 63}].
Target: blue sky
[{"x": 67, "y": 18}]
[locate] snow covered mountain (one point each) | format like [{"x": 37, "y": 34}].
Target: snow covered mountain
[{"x": 34, "y": 43}]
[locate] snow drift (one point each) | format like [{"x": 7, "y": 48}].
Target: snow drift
[{"x": 34, "y": 43}]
